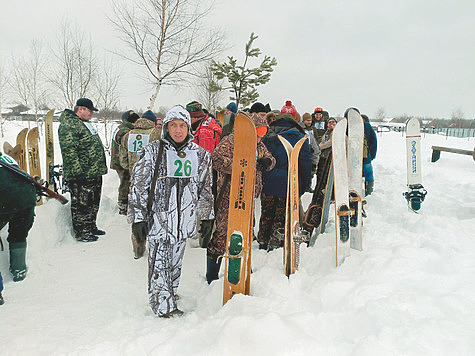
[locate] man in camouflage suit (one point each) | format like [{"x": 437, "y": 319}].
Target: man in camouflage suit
[
  {"x": 182, "y": 195},
  {"x": 84, "y": 164},
  {"x": 128, "y": 119},
  {"x": 146, "y": 129}
]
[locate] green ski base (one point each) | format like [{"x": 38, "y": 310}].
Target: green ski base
[{"x": 234, "y": 249}]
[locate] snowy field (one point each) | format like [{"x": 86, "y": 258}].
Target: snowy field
[{"x": 411, "y": 291}]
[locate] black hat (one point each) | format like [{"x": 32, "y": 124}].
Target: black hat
[
  {"x": 87, "y": 103},
  {"x": 258, "y": 107},
  {"x": 130, "y": 116}
]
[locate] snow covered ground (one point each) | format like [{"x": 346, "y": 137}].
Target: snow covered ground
[{"x": 411, "y": 291}]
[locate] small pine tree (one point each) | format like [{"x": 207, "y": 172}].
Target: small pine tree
[{"x": 243, "y": 80}]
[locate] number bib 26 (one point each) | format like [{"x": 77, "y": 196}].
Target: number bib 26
[
  {"x": 137, "y": 141},
  {"x": 183, "y": 165}
]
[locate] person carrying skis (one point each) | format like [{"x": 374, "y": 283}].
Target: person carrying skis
[
  {"x": 274, "y": 191},
  {"x": 145, "y": 131},
  {"x": 84, "y": 164},
  {"x": 17, "y": 208},
  {"x": 223, "y": 163},
  {"x": 170, "y": 189},
  {"x": 128, "y": 119}
]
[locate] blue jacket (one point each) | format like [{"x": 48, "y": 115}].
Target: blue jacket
[
  {"x": 370, "y": 136},
  {"x": 275, "y": 180}
]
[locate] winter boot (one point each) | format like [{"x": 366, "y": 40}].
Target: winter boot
[
  {"x": 17, "y": 260},
  {"x": 368, "y": 186},
  {"x": 213, "y": 263},
  {"x": 1, "y": 299}
]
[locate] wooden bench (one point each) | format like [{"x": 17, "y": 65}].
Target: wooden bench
[{"x": 437, "y": 149}]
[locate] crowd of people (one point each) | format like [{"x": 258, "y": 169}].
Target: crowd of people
[{"x": 174, "y": 182}]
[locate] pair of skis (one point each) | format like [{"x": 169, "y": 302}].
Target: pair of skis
[{"x": 347, "y": 162}]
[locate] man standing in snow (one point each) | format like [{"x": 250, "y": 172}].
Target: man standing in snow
[
  {"x": 144, "y": 132},
  {"x": 170, "y": 189},
  {"x": 128, "y": 119},
  {"x": 84, "y": 164},
  {"x": 17, "y": 208}
]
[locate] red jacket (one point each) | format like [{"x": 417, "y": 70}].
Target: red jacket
[{"x": 208, "y": 134}]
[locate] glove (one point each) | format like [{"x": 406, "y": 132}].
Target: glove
[
  {"x": 263, "y": 163},
  {"x": 140, "y": 230},
  {"x": 206, "y": 227}
]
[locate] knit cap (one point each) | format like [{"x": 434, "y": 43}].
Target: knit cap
[{"x": 288, "y": 108}]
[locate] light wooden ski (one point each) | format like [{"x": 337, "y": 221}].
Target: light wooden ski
[
  {"x": 34, "y": 157},
  {"x": 293, "y": 233},
  {"x": 237, "y": 259},
  {"x": 21, "y": 140},
  {"x": 49, "y": 143}
]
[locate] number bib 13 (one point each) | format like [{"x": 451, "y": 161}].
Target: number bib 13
[
  {"x": 183, "y": 165},
  {"x": 137, "y": 141}
]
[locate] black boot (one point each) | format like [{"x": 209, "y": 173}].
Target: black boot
[
  {"x": 368, "y": 186},
  {"x": 17, "y": 260},
  {"x": 1, "y": 299},
  {"x": 212, "y": 267}
]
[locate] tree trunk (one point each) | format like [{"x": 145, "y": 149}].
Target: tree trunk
[{"x": 154, "y": 96}]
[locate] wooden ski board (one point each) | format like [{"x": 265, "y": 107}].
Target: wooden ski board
[
  {"x": 292, "y": 221},
  {"x": 355, "y": 176},
  {"x": 13, "y": 152},
  {"x": 340, "y": 171},
  {"x": 34, "y": 156},
  {"x": 20, "y": 140},
  {"x": 241, "y": 204},
  {"x": 49, "y": 143}
]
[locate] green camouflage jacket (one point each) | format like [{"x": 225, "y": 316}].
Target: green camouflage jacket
[
  {"x": 121, "y": 130},
  {"x": 81, "y": 148}
]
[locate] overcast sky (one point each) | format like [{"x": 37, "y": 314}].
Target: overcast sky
[{"x": 406, "y": 56}]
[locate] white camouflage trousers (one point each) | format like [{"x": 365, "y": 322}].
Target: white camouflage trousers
[{"x": 164, "y": 269}]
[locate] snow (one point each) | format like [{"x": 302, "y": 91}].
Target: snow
[{"x": 410, "y": 291}]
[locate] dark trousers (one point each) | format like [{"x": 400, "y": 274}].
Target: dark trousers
[
  {"x": 19, "y": 224},
  {"x": 124, "y": 178},
  {"x": 85, "y": 199}
]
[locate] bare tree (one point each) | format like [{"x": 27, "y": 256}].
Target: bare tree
[
  {"x": 106, "y": 88},
  {"x": 380, "y": 115},
  {"x": 168, "y": 38},
  {"x": 209, "y": 89},
  {"x": 457, "y": 118},
  {"x": 76, "y": 64}
]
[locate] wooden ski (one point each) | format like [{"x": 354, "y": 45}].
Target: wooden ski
[
  {"x": 34, "y": 157},
  {"x": 49, "y": 143},
  {"x": 237, "y": 259},
  {"x": 20, "y": 140},
  {"x": 293, "y": 233}
]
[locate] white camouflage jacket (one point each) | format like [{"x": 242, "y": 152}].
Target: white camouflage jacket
[{"x": 183, "y": 190}]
